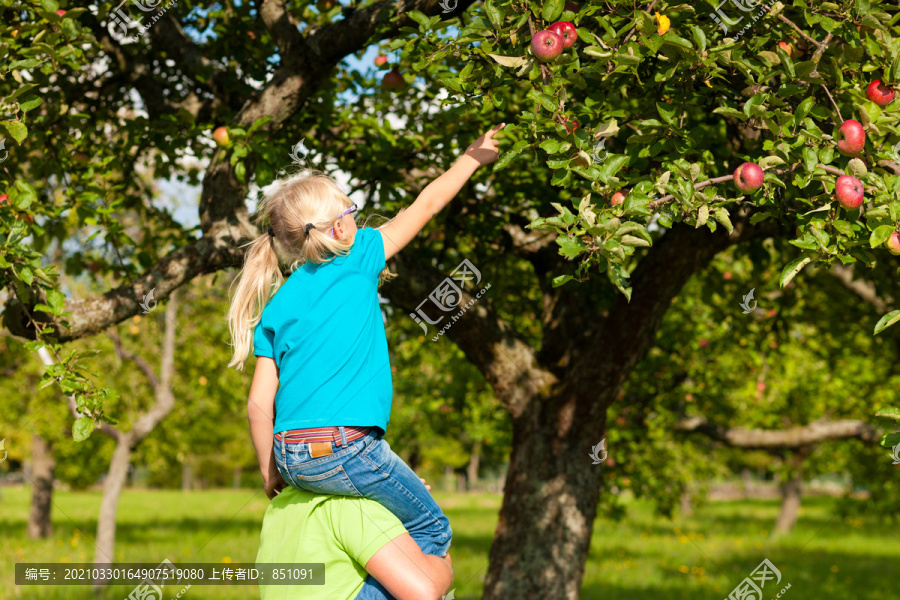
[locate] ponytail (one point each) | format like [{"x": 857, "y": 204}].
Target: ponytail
[{"x": 257, "y": 283}]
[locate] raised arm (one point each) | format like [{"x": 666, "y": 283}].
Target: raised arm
[
  {"x": 407, "y": 225},
  {"x": 408, "y": 574}
]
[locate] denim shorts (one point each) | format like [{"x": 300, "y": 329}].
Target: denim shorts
[{"x": 368, "y": 468}]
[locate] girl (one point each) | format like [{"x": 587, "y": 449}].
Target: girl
[{"x": 323, "y": 383}]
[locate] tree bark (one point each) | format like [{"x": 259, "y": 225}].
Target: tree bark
[
  {"x": 187, "y": 476},
  {"x": 472, "y": 468},
  {"x": 791, "y": 489},
  {"x": 43, "y": 464},
  {"x": 126, "y": 441},
  {"x": 112, "y": 490}
]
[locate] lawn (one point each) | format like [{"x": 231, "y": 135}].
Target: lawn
[{"x": 644, "y": 557}]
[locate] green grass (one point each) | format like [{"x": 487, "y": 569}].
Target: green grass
[{"x": 644, "y": 557}]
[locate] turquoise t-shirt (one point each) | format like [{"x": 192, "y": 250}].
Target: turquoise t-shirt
[{"x": 325, "y": 331}]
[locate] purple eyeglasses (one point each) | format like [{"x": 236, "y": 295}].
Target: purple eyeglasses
[{"x": 349, "y": 211}]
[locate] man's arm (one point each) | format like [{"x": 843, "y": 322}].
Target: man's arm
[{"x": 408, "y": 574}]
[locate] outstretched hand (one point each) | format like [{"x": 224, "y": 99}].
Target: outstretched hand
[{"x": 485, "y": 149}]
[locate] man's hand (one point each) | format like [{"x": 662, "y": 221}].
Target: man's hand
[
  {"x": 274, "y": 482},
  {"x": 485, "y": 149}
]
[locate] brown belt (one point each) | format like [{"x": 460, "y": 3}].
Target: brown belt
[{"x": 321, "y": 438}]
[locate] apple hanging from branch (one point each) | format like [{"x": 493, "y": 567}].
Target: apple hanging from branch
[
  {"x": 849, "y": 192},
  {"x": 893, "y": 243},
  {"x": 380, "y": 60},
  {"x": 566, "y": 31},
  {"x": 393, "y": 80},
  {"x": 547, "y": 45},
  {"x": 618, "y": 198},
  {"x": 850, "y": 138},
  {"x": 748, "y": 177},
  {"x": 220, "y": 135},
  {"x": 879, "y": 93}
]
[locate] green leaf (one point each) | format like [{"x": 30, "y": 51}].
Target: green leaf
[
  {"x": 57, "y": 300},
  {"x": 631, "y": 240},
  {"x": 29, "y": 103},
  {"x": 562, "y": 279},
  {"x": 546, "y": 100},
  {"x": 422, "y": 20},
  {"x": 552, "y": 9},
  {"x": 82, "y": 428},
  {"x": 720, "y": 214},
  {"x": 16, "y": 129},
  {"x": 890, "y": 440},
  {"x": 880, "y": 235},
  {"x": 886, "y": 321},
  {"x": 730, "y": 112},
  {"x": 699, "y": 37},
  {"x": 667, "y": 112},
  {"x": 569, "y": 246},
  {"x": 792, "y": 268},
  {"x": 29, "y": 63}
]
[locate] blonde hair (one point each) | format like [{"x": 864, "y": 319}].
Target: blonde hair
[{"x": 287, "y": 207}]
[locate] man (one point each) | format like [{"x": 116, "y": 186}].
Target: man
[{"x": 354, "y": 537}]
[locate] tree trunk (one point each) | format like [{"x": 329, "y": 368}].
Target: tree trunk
[
  {"x": 790, "y": 505},
  {"x": 791, "y": 489},
  {"x": 112, "y": 489},
  {"x": 550, "y": 501},
  {"x": 472, "y": 468},
  {"x": 236, "y": 479},
  {"x": 686, "y": 508},
  {"x": 187, "y": 476},
  {"x": 43, "y": 464}
]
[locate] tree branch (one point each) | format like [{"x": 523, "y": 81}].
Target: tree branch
[
  {"x": 795, "y": 437},
  {"x": 863, "y": 289}
]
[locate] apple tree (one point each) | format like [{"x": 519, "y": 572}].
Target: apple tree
[{"x": 657, "y": 103}]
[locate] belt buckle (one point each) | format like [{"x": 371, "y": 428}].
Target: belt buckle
[{"x": 317, "y": 449}]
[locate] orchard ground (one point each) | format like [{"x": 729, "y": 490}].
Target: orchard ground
[{"x": 644, "y": 557}]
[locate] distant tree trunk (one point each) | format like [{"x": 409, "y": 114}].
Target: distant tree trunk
[
  {"x": 127, "y": 441},
  {"x": 791, "y": 490},
  {"x": 236, "y": 480},
  {"x": 43, "y": 464},
  {"x": 187, "y": 475},
  {"x": 112, "y": 489},
  {"x": 472, "y": 468},
  {"x": 686, "y": 508},
  {"x": 460, "y": 482}
]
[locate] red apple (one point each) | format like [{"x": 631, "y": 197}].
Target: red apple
[
  {"x": 849, "y": 192},
  {"x": 60, "y": 12},
  {"x": 220, "y": 135},
  {"x": 393, "y": 80},
  {"x": 893, "y": 243},
  {"x": 850, "y": 137},
  {"x": 618, "y": 198},
  {"x": 879, "y": 93},
  {"x": 381, "y": 59},
  {"x": 566, "y": 30},
  {"x": 704, "y": 343},
  {"x": 570, "y": 124},
  {"x": 788, "y": 49},
  {"x": 727, "y": 275},
  {"x": 748, "y": 177},
  {"x": 547, "y": 45}
]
